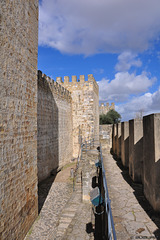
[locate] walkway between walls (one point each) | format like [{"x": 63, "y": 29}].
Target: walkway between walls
[
  {"x": 63, "y": 216},
  {"x": 128, "y": 204}
]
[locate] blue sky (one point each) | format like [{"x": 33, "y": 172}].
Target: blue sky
[{"x": 118, "y": 41}]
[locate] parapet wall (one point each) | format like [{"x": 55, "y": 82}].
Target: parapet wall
[
  {"x": 76, "y": 83},
  {"x": 54, "y": 115},
  {"x": 143, "y": 159},
  {"x": 85, "y": 108},
  {"x": 105, "y": 135},
  {"x": 18, "y": 117},
  {"x": 103, "y": 109},
  {"x": 55, "y": 86}
]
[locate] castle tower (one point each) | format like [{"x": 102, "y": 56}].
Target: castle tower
[
  {"x": 103, "y": 109},
  {"x": 18, "y": 117},
  {"x": 112, "y": 106},
  {"x": 85, "y": 109}
]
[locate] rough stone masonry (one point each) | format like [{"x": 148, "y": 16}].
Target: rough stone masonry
[
  {"x": 54, "y": 141},
  {"x": 18, "y": 117},
  {"x": 85, "y": 108},
  {"x": 41, "y": 121}
]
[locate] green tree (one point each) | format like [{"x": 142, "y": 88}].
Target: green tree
[{"x": 110, "y": 117}]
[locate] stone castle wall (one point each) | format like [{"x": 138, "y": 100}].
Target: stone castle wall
[
  {"x": 103, "y": 109},
  {"x": 55, "y": 146},
  {"x": 105, "y": 136},
  {"x": 40, "y": 124},
  {"x": 96, "y": 111},
  {"x": 18, "y": 117},
  {"x": 85, "y": 112},
  {"x": 142, "y": 154}
]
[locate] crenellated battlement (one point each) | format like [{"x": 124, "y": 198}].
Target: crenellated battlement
[
  {"x": 65, "y": 87},
  {"x": 82, "y": 100},
  {"x": 77, "y": 82},
  {"x": 55, "y": 86},
  {"x": 107, "y": 105},
  {"x": 103, "y": 109}
]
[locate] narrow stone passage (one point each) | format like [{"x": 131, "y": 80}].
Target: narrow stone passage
[
  {"x": 128, "y": 204},
  {"x": 63, "y": 215}
]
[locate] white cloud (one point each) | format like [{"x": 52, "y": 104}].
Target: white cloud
[
  {"x": 93, "y": 26},
  {"x": 126, "y": 61},
  {"x": 156, "y": 100},
  {"x": 123, "y": 85},
  {"x": 147, "y": 104}
]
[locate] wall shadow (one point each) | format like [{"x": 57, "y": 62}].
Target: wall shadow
[
  {"x": 136, "y": 160},
  {"x": 113, "y": 138},
  {"x": 47, "y": 139},
  {"x": 43, "y": 190},
  {"x": 119, "y": 147},
  {"x": 138, "y": 192},
  {"x": 126, "y": 151},
  {"x": 138, "y": 149}
]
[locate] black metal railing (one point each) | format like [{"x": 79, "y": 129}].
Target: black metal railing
[
  {"x": 111, "y": 228},
  {"x": 86, "y": 146}
]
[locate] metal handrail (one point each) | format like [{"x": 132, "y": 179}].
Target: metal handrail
[{"x": 111, "y": 228}]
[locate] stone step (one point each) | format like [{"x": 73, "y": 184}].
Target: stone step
[
  {"x": 70, "y": 209},
  {"x": 68, "y": 214}
]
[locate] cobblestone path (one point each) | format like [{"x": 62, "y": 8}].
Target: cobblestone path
[
  {"x": 63, "y": 215},
  {"x": 133, "y": 215}
]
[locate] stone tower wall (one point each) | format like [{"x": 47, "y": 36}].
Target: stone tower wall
[
  {"x": 103, "y": 109},
  {"x": 85, "y": 108},
  {"x": 55, "y": 146},
  {"x": 62, "y": 116},
  {"x": 18, "y": 117}
]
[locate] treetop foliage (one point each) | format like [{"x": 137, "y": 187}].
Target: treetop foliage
[{"x": 110, "y": 117}]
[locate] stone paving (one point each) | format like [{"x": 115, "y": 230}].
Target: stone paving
[
  {"x": 63, "y": 215},
  {"x": 133, "y": 215},
  {"x": 47, "y": 222},
  {"x": 77, "y": 228}
]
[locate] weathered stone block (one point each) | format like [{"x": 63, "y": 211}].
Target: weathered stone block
[
  {"x": 151, "y": 159},
  {"x": 136, "y": 150},
  {"x": 125, "y": 143}
]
